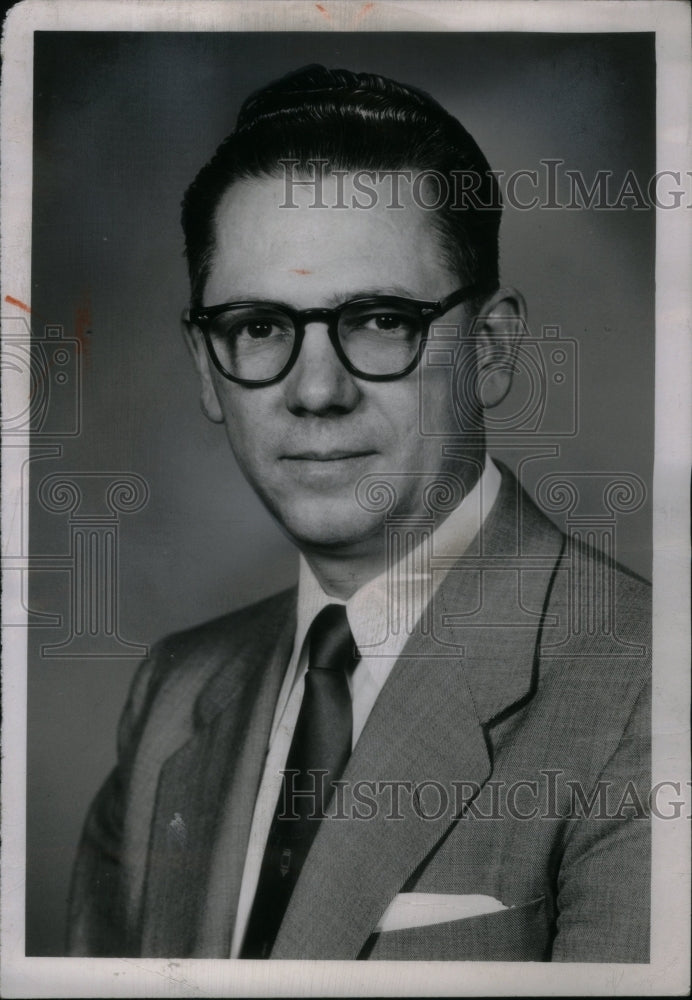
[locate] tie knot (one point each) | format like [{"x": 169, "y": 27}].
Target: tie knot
[{"x": 331, "y": 642}]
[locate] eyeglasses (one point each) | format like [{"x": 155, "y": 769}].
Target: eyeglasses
[{"x": 378, "y": 339}]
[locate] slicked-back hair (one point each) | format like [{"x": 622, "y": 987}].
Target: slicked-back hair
[{"x": 354, "y": 121}]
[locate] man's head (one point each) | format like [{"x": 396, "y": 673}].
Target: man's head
[{"x": 320, "y": 423}]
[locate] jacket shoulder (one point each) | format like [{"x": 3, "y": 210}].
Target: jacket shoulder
[
  {"x": 605, "y": 597},
  {"x": 595, "y": 646},
  {"x": 232, "y": 631},
  {"x": 181, "y": 664}
]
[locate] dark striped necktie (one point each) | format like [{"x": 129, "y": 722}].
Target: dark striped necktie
[{"x": 319, "y": 751}]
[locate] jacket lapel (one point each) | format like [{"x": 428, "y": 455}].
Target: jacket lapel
[
  {"x": 492, "y": 603},
  {"x": 423, "y": 727},
  {"x": 221, "y": 763},
  {"x": 430, "y": 729}
]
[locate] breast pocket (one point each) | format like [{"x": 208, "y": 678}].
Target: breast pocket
[{"x": 518, "y": 934}]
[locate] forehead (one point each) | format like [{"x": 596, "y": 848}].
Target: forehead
[{"x": 264, "y": 247}]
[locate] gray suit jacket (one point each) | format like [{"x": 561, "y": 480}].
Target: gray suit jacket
[{"x": 519, "y": 722}]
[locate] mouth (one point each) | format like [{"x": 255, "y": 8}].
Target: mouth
[{"x": 336, "y": 455}]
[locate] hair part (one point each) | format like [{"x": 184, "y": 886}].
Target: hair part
[{"x": 355, "y": 121}]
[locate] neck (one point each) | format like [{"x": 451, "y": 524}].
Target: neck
[{"x": 341, "y": 574}]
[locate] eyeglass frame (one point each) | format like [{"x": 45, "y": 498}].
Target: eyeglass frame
[{"x": 428, "y": 312}]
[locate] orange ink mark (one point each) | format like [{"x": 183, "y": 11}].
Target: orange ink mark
[
  {"x": 322, "y": 10},
  {"x": 365, "y": 9},
  {"x": 299, "y": 270},
  {"x": 15, "y": 302},
  {"x": 82, "y": 329}
]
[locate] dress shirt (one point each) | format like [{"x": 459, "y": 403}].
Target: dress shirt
[{"x": 380, "y": 633}]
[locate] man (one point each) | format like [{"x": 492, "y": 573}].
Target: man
[{"x": 420, "y": 753}]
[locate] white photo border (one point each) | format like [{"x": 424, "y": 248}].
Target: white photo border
[{"x": 668, "y": 971}]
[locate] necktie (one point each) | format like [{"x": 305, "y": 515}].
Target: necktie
[{"x": 319, "y": 751}]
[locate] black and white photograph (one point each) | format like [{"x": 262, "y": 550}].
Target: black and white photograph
[{"x": 346, "y": 458}]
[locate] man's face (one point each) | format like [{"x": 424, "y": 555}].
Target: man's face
[{"x": 306, "y": 441}]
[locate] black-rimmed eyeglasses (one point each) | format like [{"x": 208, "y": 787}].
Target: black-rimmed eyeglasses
[{"x": 378, "y": 338}]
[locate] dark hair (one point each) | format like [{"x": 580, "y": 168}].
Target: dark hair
[{"x": 356, "y": 121}]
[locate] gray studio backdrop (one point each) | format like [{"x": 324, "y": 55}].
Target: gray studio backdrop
[{"x": 156, "y": 511}]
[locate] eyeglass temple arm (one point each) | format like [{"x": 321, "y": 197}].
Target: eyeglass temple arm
[{"x": 461, "y": 295}]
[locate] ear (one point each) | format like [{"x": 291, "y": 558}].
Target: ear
[
  {"x": 497, "y": 330},
  {"x": 194, "y": 339}
]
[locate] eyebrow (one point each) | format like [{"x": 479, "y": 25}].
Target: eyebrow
[
  {"x": 372, "y": 292},
  {"x": 337, "y": 298}
]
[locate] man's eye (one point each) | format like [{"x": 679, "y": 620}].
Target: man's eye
[
  {"x": 388, "y": 321},
  {"x": 385, "y": 322},
  {"x": 260, "y": 329}
]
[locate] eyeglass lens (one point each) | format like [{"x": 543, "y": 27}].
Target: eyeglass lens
[{"x": 256, "y": 342}]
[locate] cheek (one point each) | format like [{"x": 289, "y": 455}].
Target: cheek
[
  {"x": 429, "y": 411},
  {"x": 248, "y": 423},
  {"x": 449, "y": 396},
  {"x": 394, "y": 418}
]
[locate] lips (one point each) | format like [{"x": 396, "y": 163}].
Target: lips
[{"x": 335, "y": 455}]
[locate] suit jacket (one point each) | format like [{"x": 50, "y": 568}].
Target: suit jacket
[{"x": 518, "y": 721}]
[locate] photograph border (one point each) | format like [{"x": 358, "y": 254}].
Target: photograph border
[{"x": 668, "y": 971}]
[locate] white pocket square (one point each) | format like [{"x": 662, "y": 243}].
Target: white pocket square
[{"x": 418, "y": 909}]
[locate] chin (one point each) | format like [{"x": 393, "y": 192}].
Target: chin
[{"x": 330, "y": 525}]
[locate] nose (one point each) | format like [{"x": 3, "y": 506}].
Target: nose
[{"x": 318, "y": 383}]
